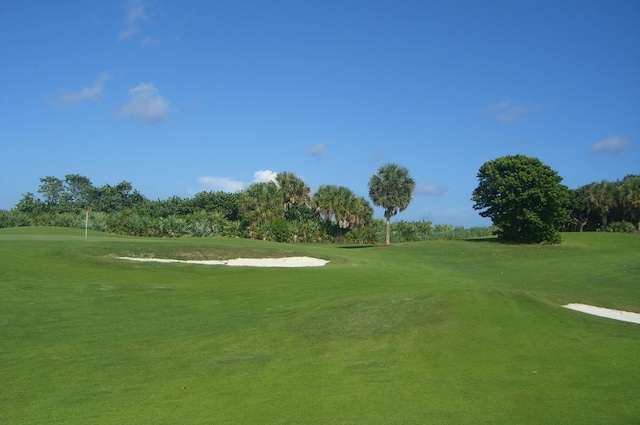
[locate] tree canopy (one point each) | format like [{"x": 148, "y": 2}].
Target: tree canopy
[{"x": 523, "y": 197}]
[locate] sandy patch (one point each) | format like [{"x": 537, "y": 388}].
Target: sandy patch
[
  {"x": 246, "y": 262},
  {"x": 625, "y": 316}
]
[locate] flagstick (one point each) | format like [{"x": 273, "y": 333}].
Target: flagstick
[{"x": 86, "y": 224}]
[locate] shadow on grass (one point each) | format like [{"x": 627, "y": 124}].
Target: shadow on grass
[
  {"x": 492, "y": 239},
  {"x": 357, "y": 246}
]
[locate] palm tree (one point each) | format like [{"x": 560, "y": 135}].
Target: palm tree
[
  {"x": 261, "y": 202},
  {"x": 293, "y": 189},
  {"x": 392, "y": 189},
  {"x": 341, "y": 207},
  {"x": 601, "y": 197},
  {"x": 324, "y": 201},
  {"x": 630, "y": 194}
]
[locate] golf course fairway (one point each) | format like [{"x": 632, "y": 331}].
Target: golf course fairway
[{"x": 438, "y": 332}]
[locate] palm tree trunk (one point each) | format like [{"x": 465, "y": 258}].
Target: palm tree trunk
[{"x": 388, "y": 230}]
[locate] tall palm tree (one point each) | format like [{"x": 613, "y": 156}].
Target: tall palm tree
[
  {"x": 261, "y": 202},
  {"x": 392, "y": 189},
  {"x": 325, "y": 201},
  {"x": 340, "y": 206},
  {"x": 601, "y": 197},
  {"x": 293, "y": 190}
]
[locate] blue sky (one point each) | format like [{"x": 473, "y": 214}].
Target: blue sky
[{"x": 178, "y": 97}]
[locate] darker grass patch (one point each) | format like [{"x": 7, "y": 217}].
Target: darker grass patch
[
  {"x": 369, "y": 318},
  {"x": 244, "y": 357}
]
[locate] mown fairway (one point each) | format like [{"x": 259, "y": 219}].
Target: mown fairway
[{"x": 443, "y": 332}]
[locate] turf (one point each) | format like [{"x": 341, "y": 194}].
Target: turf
[{"x": 439, "y": 332}]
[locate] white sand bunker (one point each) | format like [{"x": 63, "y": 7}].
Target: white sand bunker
[
  {"x": 625, "y": 316},
  {"x": 246, "y": 262}
]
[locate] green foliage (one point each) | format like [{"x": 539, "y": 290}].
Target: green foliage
[
  {"x": 261, "y": 202},
  {"x": 598, "y": 203},
  {"x": 293, "y": 190},
  {"x": 280, "y": 230},
  {"x": 408, "y": 231},
  {"x": 224, "y": 204},
  {"x": 347, "y": 217},
  {"x": 621, "y": 227},
  {"x": 342, "y": 209},
  {"x": 13, "y": 218},
  {"x": 524, "y": 198},
  {"x": 392, "y": 189}
]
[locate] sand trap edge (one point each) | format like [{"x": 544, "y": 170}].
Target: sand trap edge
[
  {"x": 625, "y": 316},
  {"x": 243, "y": 262}
]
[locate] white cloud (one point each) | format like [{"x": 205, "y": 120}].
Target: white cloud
[
  {"x": 317, "y": 151},
  {"x": 429, "y": 189},
  {"x": 613, "y": 144},
  {"x": 226, "y": 184},
  {"x": 86, "y": 93},
  {"x": 505, "y": 112},
  {"x": 137, "y": 12},
  {"x": 223, "y": 184},
  {"x": 146, "y": 105},
  {"x": 264, "y": 176}
]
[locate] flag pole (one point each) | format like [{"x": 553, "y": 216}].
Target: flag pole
[{"x": 86, "y": 222}]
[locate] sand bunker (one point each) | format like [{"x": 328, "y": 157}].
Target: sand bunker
[
  {"x": 625, "y": 316},
  {"x": 246, "y": 262}
]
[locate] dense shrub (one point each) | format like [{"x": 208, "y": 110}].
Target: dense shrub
[
  {"x": 621, "y": 227},
  {"x": 13, "y": 219},
  {"x": 280, "y": 230}
]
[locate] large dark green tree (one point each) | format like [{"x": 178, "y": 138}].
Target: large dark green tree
[
  {"x": 524, "y": 197},
  {"x": 392, "y": 189}
]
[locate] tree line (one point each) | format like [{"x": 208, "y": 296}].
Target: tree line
[
  {"x": 523, "y": 197},
  {"x": 606, "y": 205},
  {"x": 283, "y": 210}
]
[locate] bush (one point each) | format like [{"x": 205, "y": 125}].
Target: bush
[
  {"x": 201, "y": 229},
  {"x": 98, "y": 221},
  {"x": 172, "y": 227},
  {"x": 13, "y": 219},
  {"x": 621, "y": 227},
  {"x": 280, "y": 230}
]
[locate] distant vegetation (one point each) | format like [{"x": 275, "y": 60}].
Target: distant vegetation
[{"x": 282, "y": 211}]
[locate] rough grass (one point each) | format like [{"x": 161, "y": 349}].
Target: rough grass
[{"x": 434, "y": 332}]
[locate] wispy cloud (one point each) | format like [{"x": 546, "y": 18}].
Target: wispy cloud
[
  {"x": 227, "y": 184},
  {"x": 146, "y": 105},
  {"x": 264, "y": 176},
  {"x": 429, "y": 189},
  {"x": 150, "y": 41},
  {"x": 613, "y": 145},
  {"x": 86, "y": 93},
  {"x": 224, "y": 184},
  {"x": 137, "y": 12},
  {"x": 317, "y": 151},
  {"x": 505, "y": 112},
  {"x": 377, "y": 157}
]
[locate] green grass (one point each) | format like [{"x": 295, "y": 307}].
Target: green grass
[{"x": 440, "y": 332}]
